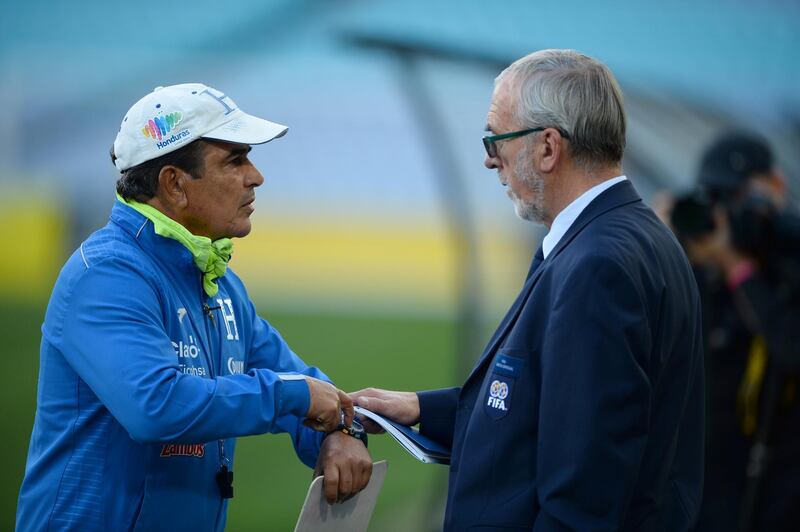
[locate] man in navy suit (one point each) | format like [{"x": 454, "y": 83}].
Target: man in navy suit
[{"x": 585, "y": 411}]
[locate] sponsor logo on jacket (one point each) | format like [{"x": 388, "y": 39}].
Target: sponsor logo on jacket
[
  {"x": 235, "y": 366},
  {"x": 197, "y": 450},
  {"x": 498, "y": 391},
  {"x": 189, "y": 350}
]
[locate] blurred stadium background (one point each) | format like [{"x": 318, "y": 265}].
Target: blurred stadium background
[{"x": 382, "y": 250}]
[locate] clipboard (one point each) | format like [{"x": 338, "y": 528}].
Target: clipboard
[{"x": 350, "y": 516}]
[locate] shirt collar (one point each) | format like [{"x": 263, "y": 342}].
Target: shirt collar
[
  {"x": 570, "y": 213},
  {"x": 140, "y": 228}
]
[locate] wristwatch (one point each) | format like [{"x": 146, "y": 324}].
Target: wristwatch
[{"x": 356, "y": 430}]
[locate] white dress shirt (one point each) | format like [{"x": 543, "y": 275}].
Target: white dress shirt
[{"x": 567, "y": 217}]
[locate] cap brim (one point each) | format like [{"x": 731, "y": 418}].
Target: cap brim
[{"x": 247, "y": 129}]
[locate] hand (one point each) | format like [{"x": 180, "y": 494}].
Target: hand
[
  {"x": 346, "y": 465},
  {"x": 715, "y": 250},
  {"x": 402, "y": 407},
  {"x": 326, "y": 405}
]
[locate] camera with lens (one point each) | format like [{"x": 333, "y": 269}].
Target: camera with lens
[
  {"x": 754, "y": 222},
  {"x": 736, "y": 174}
]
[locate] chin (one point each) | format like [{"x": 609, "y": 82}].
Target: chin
[
  {"x": 528, "y": 212},
  {"x": 522, "y": 213},
  {"x": 241, "y": 230},
  {"x": 243, "y": 233}
]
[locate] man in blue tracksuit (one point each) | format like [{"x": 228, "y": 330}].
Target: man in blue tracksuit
[{"x": 153, "y": 359}]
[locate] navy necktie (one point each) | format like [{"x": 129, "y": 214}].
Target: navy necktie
[{"x": 538, "y": 259}]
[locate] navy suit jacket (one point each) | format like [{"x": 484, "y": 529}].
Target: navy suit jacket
[{"x": 585, "y": 411}]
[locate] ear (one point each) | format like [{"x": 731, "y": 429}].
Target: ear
[
  {"x": 172, "y": 187},
  {"x": 551, "y": 150}
]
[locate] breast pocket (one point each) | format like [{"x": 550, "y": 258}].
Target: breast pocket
[{"x": 505, "y": 371}]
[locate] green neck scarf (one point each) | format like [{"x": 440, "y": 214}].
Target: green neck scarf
[{"x": 210, "y": 257}]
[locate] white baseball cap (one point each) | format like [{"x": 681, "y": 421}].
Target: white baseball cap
[{"x": 171, "y": 117}]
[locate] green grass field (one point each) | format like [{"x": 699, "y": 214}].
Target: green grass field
[{"x": 270, "y": 482}]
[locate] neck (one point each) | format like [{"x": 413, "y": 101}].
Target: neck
[
  {"x": 211, "y": 257},
  {"x": 569, "y": 184},
  {"x": 174, "y": 213},
  {"x": 159, "y": 205}
]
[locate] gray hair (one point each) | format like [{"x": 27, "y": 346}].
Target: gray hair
[{"x": 575, "y": 94}]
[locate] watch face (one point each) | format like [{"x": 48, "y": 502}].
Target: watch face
[{"x": 356, "y": 430}]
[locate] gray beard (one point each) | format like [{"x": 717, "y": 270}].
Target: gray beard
[{"x": 534, "y": 210}]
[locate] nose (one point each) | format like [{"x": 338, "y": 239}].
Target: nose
[
  {"x": 492, "y": 162},
  {"x": 255, "y": 178}
]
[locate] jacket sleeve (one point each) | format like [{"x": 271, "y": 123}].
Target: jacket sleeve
[
  {"x": 595, "y": 396},
  {"x": 437, "y": 414},
  {"x": 270, "y": 351},
  {"x": 113, "y": 337}
]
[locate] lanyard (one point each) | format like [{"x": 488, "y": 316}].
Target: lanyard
[{"x": 224, "y": 476}]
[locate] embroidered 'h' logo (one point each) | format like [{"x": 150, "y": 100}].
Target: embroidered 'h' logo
[
  {"x": 220, "y": 99},
  {"x": 230, "y": 319}
]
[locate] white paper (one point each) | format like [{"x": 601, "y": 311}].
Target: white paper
[{"x": 350, "y": 516}]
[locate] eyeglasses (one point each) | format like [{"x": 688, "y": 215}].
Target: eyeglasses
[{"x": 489, "y": 141}]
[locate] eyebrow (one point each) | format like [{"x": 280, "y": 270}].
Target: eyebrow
[
  {"x": 236, "y": 152},
  {"x": 488, "y": 129}
]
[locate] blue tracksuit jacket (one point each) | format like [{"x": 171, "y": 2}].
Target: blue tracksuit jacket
[{"x": 143, "y": 380}]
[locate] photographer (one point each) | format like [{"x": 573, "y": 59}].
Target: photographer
[{"x": 742, "y": 238}]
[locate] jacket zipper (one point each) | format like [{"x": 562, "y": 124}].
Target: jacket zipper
[{"x": 208, "y": 313}]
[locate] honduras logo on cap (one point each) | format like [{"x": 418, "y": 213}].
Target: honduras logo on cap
[{"x": 158, "y": 126}]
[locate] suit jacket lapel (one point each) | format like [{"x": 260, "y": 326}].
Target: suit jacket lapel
[{"x": 620, "y": 194}]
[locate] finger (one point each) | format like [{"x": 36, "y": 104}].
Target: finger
[
  {"x": 360, "y": 481},
  {"x": 359, "y": 393},
  {"x": 361, "y": 400},
  {"x": 366, "y": 392},
  {"x": 345, "y": 483},
  {"x": 314, "y": 425},
  {"x": 366, "y": 474},
  {"x": 331, "y": 484},
  {"x": 374, "y": 404},
  {"x": 331, "y": 422},
  {"x": 346, "y": 404}
]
